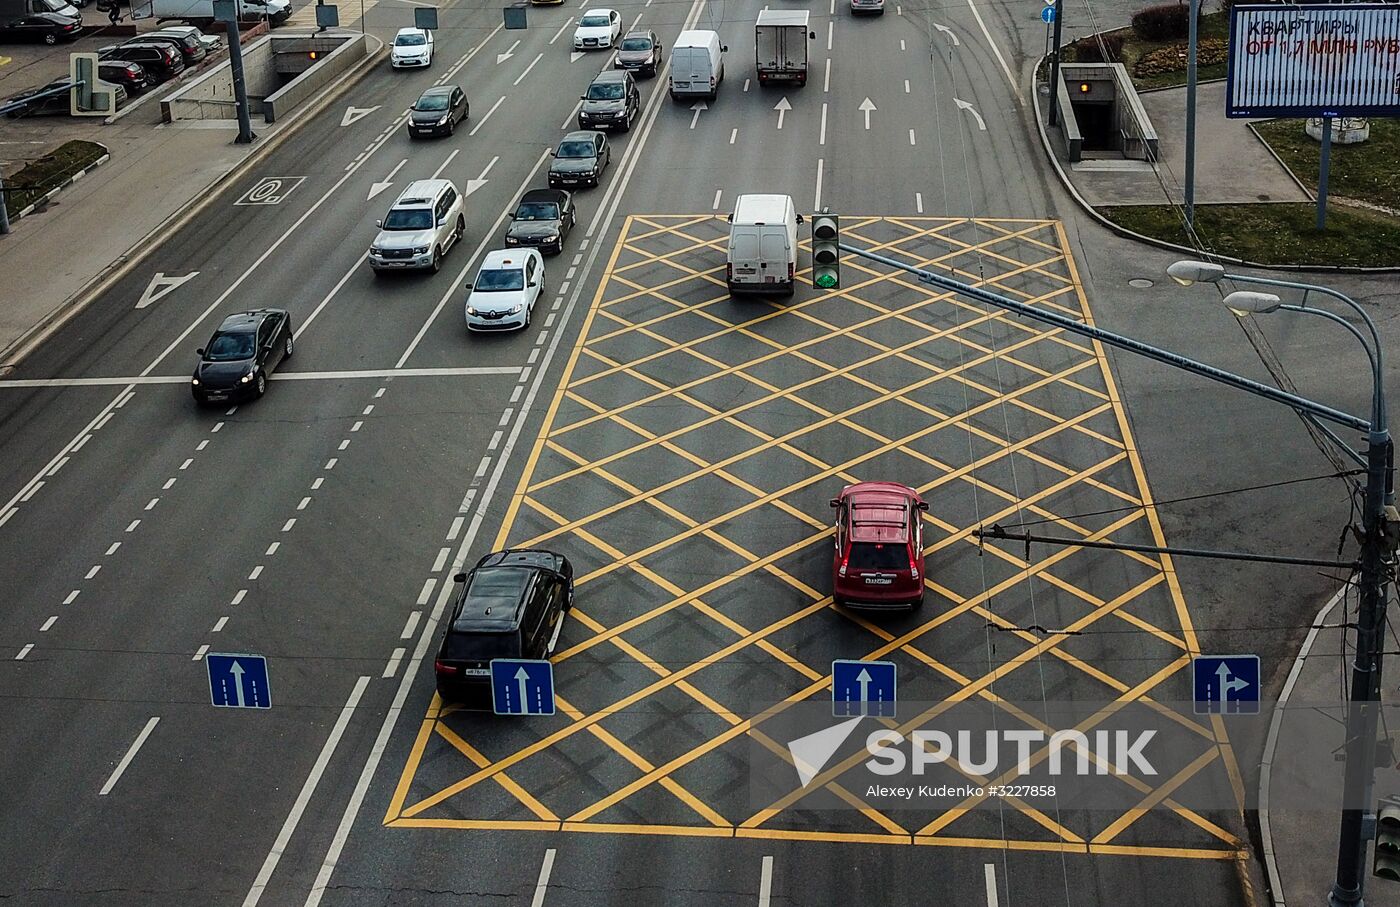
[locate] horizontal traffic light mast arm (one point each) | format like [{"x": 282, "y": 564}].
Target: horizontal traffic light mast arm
[{"x": 1301, "y": 404}]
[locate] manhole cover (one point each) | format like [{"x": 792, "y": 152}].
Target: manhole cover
[{"x": 1140, "y": 283}]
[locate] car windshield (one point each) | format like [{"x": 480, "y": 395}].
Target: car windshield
[
  {"x": 607, "y": 91},
  {"x": 576, "y": 149},
  {"x": 482, "y": 646},
  {"x": 52, "y": 6},
  {"x": 636, "y": 44},
  {"x": 431, "y": 102},
  {"x": 228, "y": 346},
  {"x": 500, "y": 279},
  {"x": 410, "y": 41},
  {"x": 593, "y": 21},
  {"x": 409, "y": 219},
  {"x": 537, "y": 211},
  {"x": 878, "y": 556}
]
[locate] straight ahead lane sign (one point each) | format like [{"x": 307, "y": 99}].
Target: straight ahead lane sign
[{"x": 238, "y": 681}]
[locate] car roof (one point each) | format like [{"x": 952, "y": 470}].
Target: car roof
[
  {"x": 580, "y": 135},
  {"x": 757, "y": 208},
  {"x": 600, "y": 11},
  {"x": 879, "y": 511},
  {"x": 494, "y": 596},
  {"x": 505, "y": 259},
  {"x": 438, "y": 89},
  {"x": 247, "y": 321},
  {"x": 550, "y": 196},
  {"x": 640, "y": 33},
  {"x": 410, "y": 30},
  {"x": 611, "y": 75},
  {"x": 420, "y": 193}
]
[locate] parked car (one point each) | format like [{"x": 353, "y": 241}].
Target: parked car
[
  {"x": 543, "y": 219},
  {"x": 640, "y": 51},
  {"x": 211, "y": 42},
  {"x": 54, "y": 104},
  {"x": 879, "y": 556},
  {"x": 598, "y": 28},
  {"x": 413, "y": 47},
  {"x": 611, "y": 102},
  {"x": 131, "y": 76},
  {"x": 438, "y": 111},
  {"x": 162, "y": 62},
  {"x": 236, "y": 361},
  {"x": 580, "y": 159},
  {"x": 190, "y": 49},
  {"x": 48, "y": 27},
  {"x": 506, "y": 289},
  {"x": 511, "y": 605},
  {"x": 421, "y": 226}
]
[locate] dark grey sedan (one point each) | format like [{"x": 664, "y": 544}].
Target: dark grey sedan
[
  {"x": 241, "y": 354},
  {"x": 438, "y": 111},
  {"x": 579, "y": 160},
  {"x": 542, "y": 219}
]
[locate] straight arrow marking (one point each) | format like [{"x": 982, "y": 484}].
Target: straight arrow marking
[
  {"x": 501, "y": 58},
  {"x": 865, "y": 107},
  {"x": 697, "y": 107},
  {"x": 376, "y": 188},
  {"x": 782, "y": 107},
  {"x": 473, "y": 185}
]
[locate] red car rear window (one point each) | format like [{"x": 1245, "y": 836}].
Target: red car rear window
[{"x": 871, "y": 556}]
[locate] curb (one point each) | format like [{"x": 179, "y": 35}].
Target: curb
[
  {"x": 123, "y": 264},
  {"x": 1162, "y": 243},
  {"x": 48, "y": 196},
  {"x": 1271, "y": 743}
]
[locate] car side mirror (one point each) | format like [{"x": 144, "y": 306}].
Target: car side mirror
[
  {"x": 551, "y": 152},
  {"x": 459, "y": 578},
  {"x": 923, "y": 505},
  {"x": 583, "y": 97},
  {"x": 835, "y": 502},
  {"x": 379, "y": 224},
  {"x": 812, "y": 35},
  {"x": 441, "y": 221},
  {"x": 467, "y": 285},
  {"x": 724, "y": 48},
  {"x": 199, "y": 352},
  {"x": 800, "y": 219},
  {"x": 532, "y": 284}
]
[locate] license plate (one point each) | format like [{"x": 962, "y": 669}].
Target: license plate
[
  {"x": 743, "y": 270},
  {"x": 878, "y": 580},
  {"x": 219, "y": 396},
  {"x": 477, "y": 672}
]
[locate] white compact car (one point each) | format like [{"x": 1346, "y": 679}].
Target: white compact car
[
  {"x": 413, "y": 48},
  {"x": 506, "y": 289},
  {"x": 424, "y": 222},
  {"x": 598, "y": 28}
]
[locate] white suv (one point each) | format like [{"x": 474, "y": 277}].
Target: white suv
[
  {"x": 412, "y": 47},
  {"x": 425, "y": 221}
]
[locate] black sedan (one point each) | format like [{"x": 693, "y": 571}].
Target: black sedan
[
  {"x": 543, "y": 218},
  {"x": 438, "y": 111},
  {"x": 580, "y": 158},
  {"x": 47, "y": 27},
  {"x": 241, "y": 354}
]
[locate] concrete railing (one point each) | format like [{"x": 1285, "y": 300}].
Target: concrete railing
[
  {"x": 1136, "y": 136},
  {"x": 210, "y": 97},
  {"x": 1069, "y": 126},
  {"x": 353, "y": 47}
]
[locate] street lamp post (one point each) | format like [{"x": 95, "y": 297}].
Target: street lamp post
[{"x": 1377, "y": 558}]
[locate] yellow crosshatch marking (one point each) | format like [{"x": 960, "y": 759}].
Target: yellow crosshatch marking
[{"x": 684, "y": 467}]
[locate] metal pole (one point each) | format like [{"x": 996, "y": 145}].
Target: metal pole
[
  {"x": 1326, "y": 165},
  {"x": 1191, "y": 116},
  {"x": 240, "y": 90},
  {"x": 1362, "y": 710},
  {"x": 1055, "y": 65},
  {"x": 4, "y": 208}
]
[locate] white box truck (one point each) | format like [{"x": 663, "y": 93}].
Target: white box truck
[
  {"x": 762, "y": 253},
  {"x": 202, "y": 11},
  {"x": 780, "y": 43}
]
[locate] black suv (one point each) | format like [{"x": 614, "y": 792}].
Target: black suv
[
  {"x": 161, "y": 61},
  {"x": 511, "y": 605},
  {"x": 611, "y": 102}
]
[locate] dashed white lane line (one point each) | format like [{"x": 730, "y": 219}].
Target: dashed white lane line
[
  {"x": 112, "y": 549},
  {"x": 25, "y": 651},
  {"x": 911, "y": 136},
  {"x": 441, "y": 559},
  {"x": 287, "y": 526},
  {"x": 919, "y": 202},
  {"x": 81, "y": 441},
  {"x": 344, "y": 444},
  {"x": 359, "y": 424},
  {"x": 456, "y": 528},
  {"x": 427, "y": 592},
  {"x": 392, "y": 667},
  {"x": 507, "y": 413},
  {"x": 101, "y": 422},
  {"x": 239, "y": 596},
  {"x": 186, "y": 465},
  {"x": 215, "y": 429},
  {"x": 733, "y": 134},
  {"x": 318, "y": 482},
  {"x": 151, "y": 504},
  {"x": 93, "y": 572},
  {"x": 33, "y": 489},
  {"x": 826, "y": 79},
  {"x": 542, "y": 885},
  {"x": 746, "y": 84},
  {"x": 830, "y": 32},
  {"x": 520, "y": 78},
  {"x": 989, "y": 873},
  {"x": 482, "y": 122},
  {"x": 765, "y": 883},
  {"x": 906, "y": 86},
  {"x": 495, "y": 441},
  {"x": 901, "y": 44},
  {"x": 130, "y": 754},
  {"x": 168, "y": 484},
  {"x": 5, "y": 518},
  {"x": 821, "y": 136},
  {"x": 411, "y": 624},
  {"x": 272, "y": 549},
  {"x": 257, "y": 572},
  {"x": 379, "y": 393},
  {"x": 368, "y": 409},
  {"x": 72, "y": 596},
  {"x": 301, "y": 505},
  {"x": 199, "y": 653},
  {"x": 817, "y": 201},
  {"x": 48, "y": 623},
  {"x": 330, "y": 464},
  {"x": 567, "y": 23},
  {"x": 719, "y": 193},
  {"x": 57, "y": 466},
  {"x": 131, "y": 527},
  {"x": 202, "y": 444},
  {"x": 218, "y": 627}
]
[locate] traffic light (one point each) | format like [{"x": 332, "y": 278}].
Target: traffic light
[
  {"x": 1387, "y": 857},
  {"x": 826, "y": 255}
]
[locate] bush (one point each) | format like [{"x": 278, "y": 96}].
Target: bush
[
  {"x": 1172, "y": 58},
  {"x": 1162, "y": 23},
  {"x": 1088, "y": 50}
]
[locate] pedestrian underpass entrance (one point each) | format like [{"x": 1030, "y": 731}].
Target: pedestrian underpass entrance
[{"x": 1100, "y": 114}]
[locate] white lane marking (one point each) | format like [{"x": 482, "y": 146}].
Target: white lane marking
[
  {"x": 28, "y": 647},
  {"x": 126, "y": 398},
  {"x": 826, "y": 79},
  {"x": 27, "y": 490},
  {"x": 130, "y": 754},
  {"x": 866, "y": 107},
  {"x": 733, "y": 134},
  {"x": 952, "y": 36},
  {"x": 112, "y": 549},
  {"x": 72, "y": 596},
  {"x": 438, "y": 172},
  {"x": 833, "y": 7},
  {"x": 379, "y": 393},
  {"x": 48, "y": 623},
  {"x": 168, "y": 483},
  {"x": 5, "y": 518},
  {"x": 392, "y": 667},
  {"x": 31, "y": 492},
  {"x": 301, "y": 505},
  {"x": 699, "y": 107},
  {"x": 542, "y": 885},
  {"x": 718, "y": 194},
  {"x": 325, "y": 300},
  {"x": 357, "y": 426},
  {"x": 765, "y": 883},
  {"x": 1015, "y": 86},
  {"x": 967, "y": 106},
  {"x": 911, "y": 136},
  {"x": 515, "y": 394},
  {"x": 456, "y": 528},
  {"x": 380, "y": 185},
  {"x": 287, "y": 526},
  {"x": 567, "y": 23},
  {"x": 830, "y": 31},
  {"x": 344, "y": 444},
  {"x": 495, "y": 439},
  {"x": 505, "y": 415},
  {"x": 919, "y": 202},
  {"x": 202, "y": 444},
  {"x": 509, "y": 52},
  {"x": 520, "y": 77},
  {"x": 817, "y": 202},
  {"x": 218, "y": 627},
  {"x": 989, "y": 873},
  {"x": 633, "y": 28},
  {"x": 317, "y": 484},
  {"x": 901, "y": 44},
  {"x": 906, "y": 86},
  {"x": 272, "y": 549},
  {"x": 482, "y": 122},
  {"x": 330, "y": 464},
  {"x": 821, "y": 136},
  {"x": 215, "y": 429},
  {"x": 746, "y": 84},
  {"x": 783, "y": 106},
  {"x": 442, "y": 556},
  {"x": 257, "y": 572},
  {"x": 568, "y": 276},
  {"x": 93, "y": 572},
  {"x": 410, "y": 624},
  {"x": 573, "y": 112},
  {"x": 79, "y": 446},
  {"x": 199, "y": 653},
  {"x": 151, "y": 504},
  {"x": 239, "y": 596},
  {"x": 367, "y": 410},
  {"x": 230, "y": 411},
  {"x": 186, "y": 465},
  {"x": 427, "y": 591},
  {"x": 57, "y": 466},
  {"x": 481, "y": 467},
  {"x": 309, "y": 788}
]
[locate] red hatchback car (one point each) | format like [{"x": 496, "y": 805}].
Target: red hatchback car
[{"x": 879, "y": 559}]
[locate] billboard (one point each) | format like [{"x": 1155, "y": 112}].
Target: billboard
[{"x": 1314, "y": 60}]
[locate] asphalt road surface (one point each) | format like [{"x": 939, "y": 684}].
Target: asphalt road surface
[{"x": 678, "y": 446}]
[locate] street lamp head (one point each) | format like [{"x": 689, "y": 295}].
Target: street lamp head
[
  {"x": 1189, "y": 272},
  {"x": 1243, "y": 302}
]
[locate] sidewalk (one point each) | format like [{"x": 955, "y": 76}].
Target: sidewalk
[{"x": 54, "y": 260}]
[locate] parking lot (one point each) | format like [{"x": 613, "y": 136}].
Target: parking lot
[{"x": 685, "y": 467}]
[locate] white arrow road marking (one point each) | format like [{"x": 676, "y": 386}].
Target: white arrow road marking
[
  {"x": 522, "y": 677},
  {"x": 236, "y": 670},
  {"x": 501, "y": 58},
  {"x": 576, "y": 56},
  {"x": 355, "y": 114},
  {"x": 376, "y": 188},
  {"x": 697, "y": 107},
  {"x": 160, "y": 286},
  {"x": 810, "y": 753},
  {"x": 949, "y": 32},
  {"x": 482, "y": 122},
  {"x": 964, "y": 105},
  {"x": 521, "y": 77},
  {"x": 473, "y": 185},
  {"x": 865, "y": 107},
  {"x": 782, "y": 107}
]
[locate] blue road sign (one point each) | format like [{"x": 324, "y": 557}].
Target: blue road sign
[
  {"x": 1047, "y": 14},
  {"x": 1225, "y": 684},
  {"x": 522, "y": 686},
  {"x": 862, "y": 688},
  {"x": 238, "y": 681}
]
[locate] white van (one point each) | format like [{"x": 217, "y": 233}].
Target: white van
[
  {"x": 697, "y": 64},
  {"x": 763, "y": 245}
]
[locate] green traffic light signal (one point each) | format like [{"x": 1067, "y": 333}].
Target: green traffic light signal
[
  {"x": 825, "y": 281},
  {"x": 826, "y": 251}
]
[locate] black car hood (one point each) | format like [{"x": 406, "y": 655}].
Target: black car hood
[
  {"x": 427, "y": 116},
  {"x": 573, "y": 165},
  {"x": 605, "y": 106},
  {"x": 218, "y": 375},
  {"x": 532, "y": 229}
]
